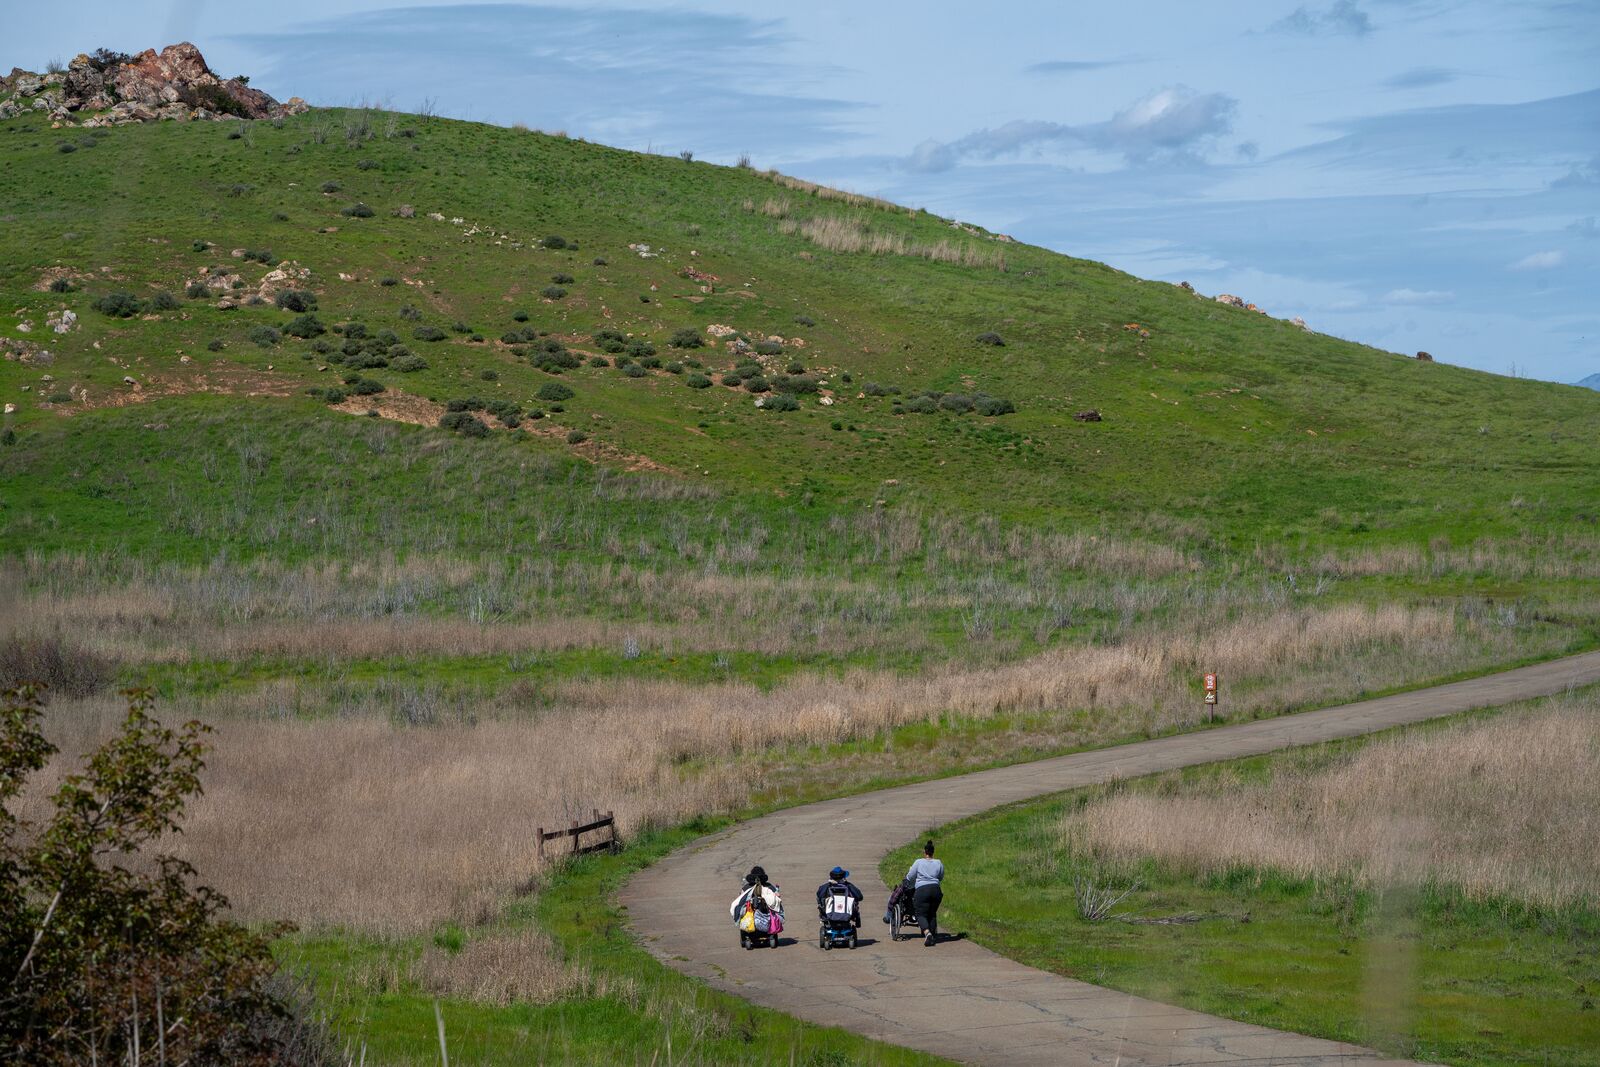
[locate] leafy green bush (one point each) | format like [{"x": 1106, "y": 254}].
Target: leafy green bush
[
  {"x": 410, "y": 313},
  {"x": 365, "y": 386},
  {"x": 732, "y": 381},
  {"x": 599, "y": 261},
  {"x": 651, "y": 362},
  {"x": 688, "y": 337},
  {"x": 263, "y": 256},
  {"x": 922, "y": 405},
  {"x": 501, "y": 408},
  {"x": 520, "y": 316},
  {"x": 95, "y": 949},
  {"x": 577, "y": 437},
  {"x": 552, "y": 292},
  {"x": 358, "y": 210},
  {"x": 697, "y": 381},
  {"x": 993, "y": 405},
  {"x": 195, "y": 290},
  {"x": 781, "y": 402},
  {"x": 330, "y": 395},
  {"x": 464, "y": 423},
  {"x": 599, "y": 361},
  {"x": 991, "y": 338},
  {"x": 804, "y": 320},
  {"x": 61, "y": 285},
  {"x": 609, "y": 340},
  {"x": 460, "y": 327},
  {"x": 488, "y": 374},
  {"x": 265, "y": 336},
  {"x": 633, "y": 370},
  {"x": 388, "y": 282},
  {"x": 674, "y": 368},
  {"x": 768, "y": 348},
  {"x": 429, "y": 333},
  {"x": 639, "y": 348},
  {"x": 304, "y": 326},
  {"x": 331, "y": 186},
  {"x": 554, "y": 392},
  {"x": 119, "y": 305},
  {"x": 796, "y": 367},
  {"x": 163, "y": 301},
  {"x": 409, "y": 363},
  {"x": 758, "y": 384},
  {"x": 215, "y": 345},
  {"x": 470, "y": 403},
  {"x": 562, "y": 279},
  {"x": 957, "y": 402},
  {"x": 296, "y": 300},
  {"x": 555, "y": 241},
  {"x": 876, "y": 389}
]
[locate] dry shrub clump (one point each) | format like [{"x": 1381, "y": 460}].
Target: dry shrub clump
[
  {"x": 517, "y": 966},
  {"x": 361, "y": 822},
  {"x": 1508, "y": 808},
  {"x": 841, "y": 233}
]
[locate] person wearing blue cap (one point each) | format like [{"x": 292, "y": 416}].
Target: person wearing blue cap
[{"x": 840, "y": 895}]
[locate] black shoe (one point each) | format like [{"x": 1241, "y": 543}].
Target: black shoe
[{"x": 927, "y": 942}]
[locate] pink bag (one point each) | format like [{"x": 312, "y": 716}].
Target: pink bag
[{"x": 777, "y": 923}]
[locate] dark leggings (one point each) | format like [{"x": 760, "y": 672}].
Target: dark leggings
[{"x": 925, "y": 902}]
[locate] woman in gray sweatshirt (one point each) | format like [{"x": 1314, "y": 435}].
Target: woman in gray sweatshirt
[{"x": 925, "y": 878}]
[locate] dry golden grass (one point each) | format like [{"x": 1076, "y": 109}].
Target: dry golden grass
[
  {"x": 1507, "y": 808},
  {"x": 841, "y": 233},
  {"x": 354, "y": 821},
  {"x": 515, "y": 966}
]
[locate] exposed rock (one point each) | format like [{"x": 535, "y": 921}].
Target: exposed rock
[
  {"x": 174, "y": 83},
  {"x": 1424, "y": 357},
  {"x": 1298, "y": 321}
]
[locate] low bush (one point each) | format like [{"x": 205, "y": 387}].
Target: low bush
[
  {"x": 265, "y": 336},
  {"x": 758, "y": 384},
  {"x": 61, "y": 397},
  {"x": 410, "y": 313},
  {"x": 163, "y": 301},
  {"x": 650, "y": 362},
  {"x": 330, "y": 395},
  {"x": 555, "y": 392},
  {"x": 388, "y": 282},
  {"x": 781, "y": 402},
  {"x": 470, "y": 403},
  {"x": 577, "y": 437},
  {"x": 688, "y": 337},
  {"x": 957, "y": 402},
  {"x": 429, "y": 333},
  {"x": 556, "y": 241},
  {"x": 200, "y": 246},
  {"x": 732, "y": 381},
  {"x": 804, "y": 320},
  {"x": 562, "y": 279},
  {"x": 215, "y": 345},
  {"x": 409, "y": 363},
  {"x": 358, "y": 210},
  {"x": 795, "y": 383},
  {"x": 501, "y": 408},
  {"x": 697, "y": 381},
  {"x": 366, "y": 387},
  {"x": 263, "y": 256},
  {"x": 61, "y": 285},
  {"x": 640, "y": 348},
  {"x": 599, "y": 261},
  {"x": 296, "y": 300},
  {"x": 304, "y": 327},
  {"x": 673, "y": 368},
  {"x": 768, "y": 348},
  {"x": 876, "y": 389},
  {"x": 460, "y": 327},
  {"x": 489, "y": 375},
  {"x": 520, "y": 316},
  {"x": 464, "y": 423},
  {"x": 633, "y": 370},
  {"x": 993, "y": 405},
  {"x": 608, "y": 340},
  {"x": 322, "y": 348},
  {"x": 991, "y": 338},
  {"x": 552, "y": 292},
  {"x": 796, "y": 367},
  {"x": 922, "y": 405},
  {"x": 599, "y": 361},
  {"x": 331, "y": 186},
  {"x": 197, "y": 290}
]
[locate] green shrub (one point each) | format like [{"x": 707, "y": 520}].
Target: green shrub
[
  {"x": 460, "y": 327},
  {"x": 196, "y": 290},
  {"x": 804, "y": 320},
  {"x": 388, "y": 282},
  {"x": 562, "y": 279},
  {"x": 60, "y": 397},
  {"x": 758, "y": 384},
  {"x": 357, "y": 210},
  {"x": 553, "y": 292},
  {"x": 520, "y": 316},
  {"x": 599, "y": 261},
  {"x": 781, "y": 402},
  {"x": 577, "y": 437},
  {"x": 796, "y": 367},
  {"x": 409, "y": 363},
  {"x": 66, "y": 146},
  {"x": 304, "y": 326},
  {"x": 599, "y": 361},
  {"x": 875, "y": 389},
  {"x": 731, "y": 380},
  {"x": 296, "y": 300},
  {"x": 651, "y": 362},
  {"x": 555, "y": 391},
  {"x": 428, "y": 333},
  {"x": 641, "y": 349},
  {"x": 215, "y": 345},
  {"x": 321, "y": 347},
  {"x": 991, "y": 338},
  {"x": 464, "y": 423},
  {"x": 633, "y": 370},
  {"x": 163, "y": 301},
  {"x": 768, "y": 348},
  {"x": 201, "y": 246},
  {"x": 61, "y": 285},
  {"x": 330, "y": 395},
  {"x": 922, "y": 405},
  {"x": 688, "y": 337},
  {"x": 489, "y": 375},
  {"x": 501, "y": 408},
  {"x": 263, "y": 256},
  {"x": 697, "y": 381},
  {"x": 957, "y": 402},
  {"x": 410, "y": 313},
  {"x": 331, "y": 186},
  {"x": 674, "y": 368},
  {"x": 265, "y": 336},
  {"x": 366, "y": 387},
  {"x": 837, "y": 425},
  {"x": 555, "y": 241},
  {"x": 993, "y": 405}
]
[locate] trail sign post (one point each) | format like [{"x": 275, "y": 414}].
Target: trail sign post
[{"x": 1211, "y": 694}]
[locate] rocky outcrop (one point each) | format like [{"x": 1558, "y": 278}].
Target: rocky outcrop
[{"x": 110, "y": 89}]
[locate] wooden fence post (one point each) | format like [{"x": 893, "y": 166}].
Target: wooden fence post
[{"x": 541, "y": 842}]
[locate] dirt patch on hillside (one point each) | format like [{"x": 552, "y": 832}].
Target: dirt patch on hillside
[
  {"x": 398, "y": 406},
  {"x": 222, "y": 378}
]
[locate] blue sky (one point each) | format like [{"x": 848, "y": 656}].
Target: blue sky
[{"x": 1415, "y": 174}]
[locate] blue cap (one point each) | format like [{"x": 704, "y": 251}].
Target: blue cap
[{"x": 838, "y": 872}]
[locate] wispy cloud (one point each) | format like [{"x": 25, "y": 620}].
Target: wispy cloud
[
  {"x": 1417, "y": 297},
  {"x": 1166, "y": 124},
  {"x": 1421, "y": 78},
  {"x": 1343, "y": 19},
  {"x": 1540, "y": 261},
  {"x": 1079, "y": 66}
]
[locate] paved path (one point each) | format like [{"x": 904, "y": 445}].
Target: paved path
[{"x": 960, "y": 1000}]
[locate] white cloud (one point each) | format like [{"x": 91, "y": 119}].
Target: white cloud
[
  {"x": 1540, "y": 261},
  {"x": 1344, "y": 18},
  {"x": 1412, "y": 297}
]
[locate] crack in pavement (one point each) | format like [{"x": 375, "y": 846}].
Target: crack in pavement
[{"x": 958, "y": 999}]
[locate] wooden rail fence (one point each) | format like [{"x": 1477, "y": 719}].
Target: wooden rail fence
[{"x": 608, "y": 821}]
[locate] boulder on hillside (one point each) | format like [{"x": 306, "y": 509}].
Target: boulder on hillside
[
  {"x": 174, "y": 83},
  {"x": 1424, "y": 357}
]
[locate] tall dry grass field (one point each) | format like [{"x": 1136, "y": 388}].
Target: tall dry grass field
[
  {"x": 349, "y": 819},
  {"x": 1507, "y": 808}
]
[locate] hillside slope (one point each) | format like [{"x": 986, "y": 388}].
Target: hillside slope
[{"x": 1243, "y": 425}]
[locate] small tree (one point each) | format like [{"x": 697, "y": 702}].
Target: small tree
[{"x": 98, "y": 959}]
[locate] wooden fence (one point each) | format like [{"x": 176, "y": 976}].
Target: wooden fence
[{"x": 576, "y": 831}]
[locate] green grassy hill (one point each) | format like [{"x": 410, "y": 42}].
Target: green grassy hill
[{"x": 1244, "y": 426}]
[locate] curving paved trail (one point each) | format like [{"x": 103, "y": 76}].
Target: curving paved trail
[{"x": 962, "y": 1001}]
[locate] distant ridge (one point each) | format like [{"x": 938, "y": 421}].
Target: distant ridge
[{"x": 1591, "y": 382}]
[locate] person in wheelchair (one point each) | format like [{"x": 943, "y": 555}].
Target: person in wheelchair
[{"x": 839, "y": 885}]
